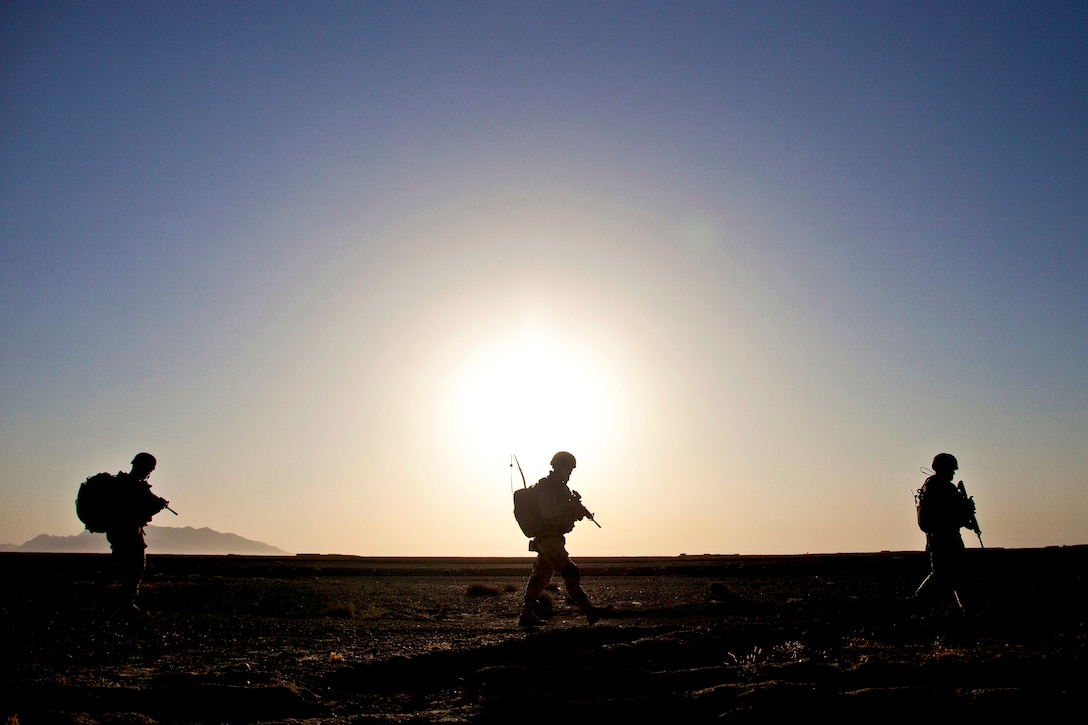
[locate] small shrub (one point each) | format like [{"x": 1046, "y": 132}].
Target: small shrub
[
  {"x": 481, "y": 590},
  {"x": 718, "y": 590},
  {"x": 340, "y": 610},
  {"x": 372, "y": 612}
]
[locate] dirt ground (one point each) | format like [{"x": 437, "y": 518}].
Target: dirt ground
[{"x": 323, "y": 640}]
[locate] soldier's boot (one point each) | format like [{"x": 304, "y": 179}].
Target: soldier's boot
[{"x": 528, "y": 619}]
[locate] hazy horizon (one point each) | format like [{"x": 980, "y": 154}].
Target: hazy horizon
[
  {"x": 159, "y": 539},
  {"x": 753, "y": 263},
  {"x": 171, "y": 540}
]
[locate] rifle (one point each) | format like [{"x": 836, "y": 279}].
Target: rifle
[
  {"x": 578, "y": 498},
  {"x": 166, "y": 505},
  {"x": 972, "y": 521}
]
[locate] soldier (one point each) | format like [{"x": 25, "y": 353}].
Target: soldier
[
  {"x": 135, "y": 505},
  {"x": 559, "y": 508},
  {"x": 943, "y": 509}
]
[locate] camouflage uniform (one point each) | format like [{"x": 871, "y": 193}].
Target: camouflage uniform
[
  {"x": 560, "y": 509},
  {"x": 136, "y": 505},
  {"x": 942, "y": 512}
]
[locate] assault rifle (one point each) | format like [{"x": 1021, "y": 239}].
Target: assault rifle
[
  {"x": 585, "y": 512},
  {"x": 972, "y": 521}
]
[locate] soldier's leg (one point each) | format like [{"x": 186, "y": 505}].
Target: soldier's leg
[
  {"x": 924, "y": 585},
  {"x": 946, "y": 564},
  {"x": 128, "y": 561},
  {"x": 954, "y": 568},
  {"x": 538, "y": 581},
  {"x": 133, "y": 575},
  {"x": 927, "y": 583},
  {"x": 572, "y": 579}
]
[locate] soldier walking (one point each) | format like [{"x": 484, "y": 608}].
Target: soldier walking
[
  {"x": 135, "y": 506},
  {"x": 943, "y": 509},
  {"x": 560, "y": 508}
]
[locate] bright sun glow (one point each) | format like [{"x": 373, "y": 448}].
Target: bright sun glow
[{"x": 532, "y": 395}]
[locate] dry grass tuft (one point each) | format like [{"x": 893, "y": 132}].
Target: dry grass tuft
[
  {"x": 481, "y": 590},
  {"x": 373, "y": 612},
  {"x": 340, "y": 610},
  {"x": 720, "y": 591}
]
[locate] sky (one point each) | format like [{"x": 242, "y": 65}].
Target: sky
[{"x": 753, "y": 263}]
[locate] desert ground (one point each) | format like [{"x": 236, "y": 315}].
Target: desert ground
[{"x": 322, "y": 640}]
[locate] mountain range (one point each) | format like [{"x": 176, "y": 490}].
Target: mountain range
[{"x": 160, "y": 540}]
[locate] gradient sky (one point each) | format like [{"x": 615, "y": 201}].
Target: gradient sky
[{"x": 752, "y": 263}]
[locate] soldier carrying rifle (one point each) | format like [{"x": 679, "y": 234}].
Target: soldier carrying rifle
[
  {"x": 120, "y": 506},
  {"x": 943, "y": 509},
  {"x": 559, "y": 508}
]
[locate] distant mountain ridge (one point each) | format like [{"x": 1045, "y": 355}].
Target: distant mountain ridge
[{"x": 160, "y": 540}]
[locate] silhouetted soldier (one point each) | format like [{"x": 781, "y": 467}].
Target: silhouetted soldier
[
  {"x": 135, "y": 505},
  {"x": 559, "y": 508},
  {"x": 943, "y": 509}
]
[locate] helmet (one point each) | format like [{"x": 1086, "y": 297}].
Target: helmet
[
  {"x": 145, "y": 460},
  {"x": 564, "y": 460},
  {"x": 945, "y": 462}
]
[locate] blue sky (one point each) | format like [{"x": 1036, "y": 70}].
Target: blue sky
[{"x": 753, "y": 263}]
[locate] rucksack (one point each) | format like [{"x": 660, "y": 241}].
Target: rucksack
[
  {"x": 527, "y": 510},
  {"x": 96, "y": 502},
  {"x": 938, "y": 507}
]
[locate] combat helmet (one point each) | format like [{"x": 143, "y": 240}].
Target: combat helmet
[
  {"x": 144, "y": 461},
  {"x": 564, "y": 460},
  {"x": 945, "y": 462}
]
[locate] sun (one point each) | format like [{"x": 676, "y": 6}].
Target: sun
[{"x": 532, "y": 396}]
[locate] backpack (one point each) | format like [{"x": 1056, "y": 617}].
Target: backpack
[
  {"x": 527, "y": 510},
  {"x": 96, "y": 502},
  {"x": 941, "y": 507},
  {"x": 923, "y": 521}
]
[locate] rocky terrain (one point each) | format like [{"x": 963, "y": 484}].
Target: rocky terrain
[{"x": 324, "y": 640}]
